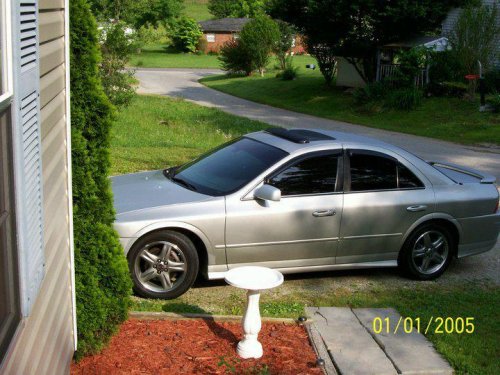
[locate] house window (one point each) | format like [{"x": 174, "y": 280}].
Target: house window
[
  {"x": 10, "y": 313},
  {"x": 210, "y": 38}
]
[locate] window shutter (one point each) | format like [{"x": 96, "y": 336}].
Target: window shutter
[{"x": 27, "y": 143}]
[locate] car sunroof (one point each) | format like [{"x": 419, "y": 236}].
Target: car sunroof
[{"x": 299, "y": 135}]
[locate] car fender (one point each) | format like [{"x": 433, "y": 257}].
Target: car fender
[
  {"x": 174, "y": 224},
  {"x": 429, "y": 217}
]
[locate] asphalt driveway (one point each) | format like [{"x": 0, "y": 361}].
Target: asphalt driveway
[{"x": 184, "y": 83}]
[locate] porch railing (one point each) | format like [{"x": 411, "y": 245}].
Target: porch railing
[{"x": 387, "y": 71}]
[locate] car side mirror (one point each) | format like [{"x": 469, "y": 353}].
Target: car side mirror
[{"x": 268, "y": 193}]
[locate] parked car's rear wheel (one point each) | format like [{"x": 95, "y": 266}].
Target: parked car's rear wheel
[
  {"x": 427, "y": 252},
  {"x": 163, "y": 265}
]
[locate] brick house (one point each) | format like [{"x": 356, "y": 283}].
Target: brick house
[{"x": 217, "y": 32}]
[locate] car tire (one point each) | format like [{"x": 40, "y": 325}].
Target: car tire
[
  {"x": 163, "y": 265},
  {"x": 427, "y": 252}
]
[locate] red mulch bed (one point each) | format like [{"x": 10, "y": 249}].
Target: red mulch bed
[{"x": 200, "y": 347}]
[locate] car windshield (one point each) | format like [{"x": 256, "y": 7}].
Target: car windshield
[{"x": 227, "y": 168}]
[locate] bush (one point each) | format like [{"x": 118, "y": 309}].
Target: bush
[
  {"x": 118, "y": 42},
  {"x": 452, "y": 89},
  {"x": 290, "y": 72},
  {"x": 495, "y": 102},
  {"x": 492, "y": 81},
  {"x": 235, "y": 58},
  {"x": 102, "y": 281},
  {"x": 149, "y": 34},
  {"x": 237, "y": 9},
  {"x": 382, "y": 95},
  {"x": 404, "y": 99},
  {"x": 186, "y": 34},
  {"x": 259, "y": 37},
  {"x": 445, "y": 67},
  {"x": 372, "y": 92}
]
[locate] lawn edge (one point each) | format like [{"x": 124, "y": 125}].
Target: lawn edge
[{"x": 155, "y": 315}]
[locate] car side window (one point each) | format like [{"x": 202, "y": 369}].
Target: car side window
[
  {"x": 375, "y": 172},
  {"x": 313, "y": 175}
]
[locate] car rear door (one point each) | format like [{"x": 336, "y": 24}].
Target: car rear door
[
  {"x": 301, "y": 229},
  {"x": 383, "y": 196}
]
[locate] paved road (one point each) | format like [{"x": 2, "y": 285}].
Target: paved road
[{"x": 184, "y": 83}]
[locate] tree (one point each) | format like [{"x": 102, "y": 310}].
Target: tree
[
  {"x": 238, "y": 9},
  {"x": 259, "y": 37},
  {"x": 102, "y": 279},
  {"x": 137, "y": 12},
  {"x": 284, "y": 43},
  {"x": 186, "y": 34},
  {"x": 354, "y": 29},
  {"x": 474, "y": 37},
  {"x": 118, "y": 42}
]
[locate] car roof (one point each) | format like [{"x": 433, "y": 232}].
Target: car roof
[
  {"x": 312, "y": 141},
  {"x": 344, "y": 140}
]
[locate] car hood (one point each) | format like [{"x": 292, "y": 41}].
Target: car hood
[{"x": 139, "y": 191}]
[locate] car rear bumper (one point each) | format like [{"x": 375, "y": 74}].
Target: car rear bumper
[{"x": 479, "y": 234}]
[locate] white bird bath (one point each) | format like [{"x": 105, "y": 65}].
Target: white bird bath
[{"x": 253, "y": 279}]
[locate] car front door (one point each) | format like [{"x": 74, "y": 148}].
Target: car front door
[
  {"x": 302, "y": 228},
  {"x": 384, "y": 195}
]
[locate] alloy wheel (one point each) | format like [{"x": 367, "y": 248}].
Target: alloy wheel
[
  {"x": 430, "y": 252},
  {"x": 160, "y": 266}
]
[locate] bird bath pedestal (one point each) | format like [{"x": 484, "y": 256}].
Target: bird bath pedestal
[{"x": 253, "y": 279}]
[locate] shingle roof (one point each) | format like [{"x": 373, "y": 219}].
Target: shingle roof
[{"x": 224, "y": 24}]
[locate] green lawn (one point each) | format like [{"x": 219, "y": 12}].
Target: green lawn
[
  {"x": 197, "y": 9},
  {"x": 156, "y": 132},
  {"x": 157, "y": 57},
  {"x": 443, "y": 118}
]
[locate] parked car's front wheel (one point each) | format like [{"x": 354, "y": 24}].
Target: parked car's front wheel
[
  {"x": 427, "y": 252},
  {"x": 163, "y": 265}
]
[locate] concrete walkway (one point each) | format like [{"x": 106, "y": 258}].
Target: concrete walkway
[
  {"x": 345, "y": 339},
  {"x": 184, "y": 83}
]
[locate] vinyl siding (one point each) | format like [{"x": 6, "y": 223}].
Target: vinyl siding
[{"x": 44, "y": 344}]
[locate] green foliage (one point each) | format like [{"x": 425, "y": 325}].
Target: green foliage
[
  {"x": 259, "y": 37},
  {"x": 284, "y": 44},
  {"x": 356, "y": 28},
  {"x": 148, "y": 34},
  {"x": 404, "y": 99},
  {"x": 445, "y": 67},
  {"x": 102, "y": 280},
  {"x": 474, "y": 37},
  {"x": 117, "y": 44},
  {"x": 290, "y": 71},
  {"x": 153, "y": 12},
  {"x": 495, "y": 102},
  {"x": 492, "y": 80},
  {"x": 411, "y": 62},
  {"x": 235, "y": 58},
  {"x": 136, "y": 12},
  {"x": 186, "y": 34},
  {"x": 327, "y": 61},
  {"x": 377, "y": 96},
  {"x": 454, "y": 89},
  {"x": 237, "y": 9}
]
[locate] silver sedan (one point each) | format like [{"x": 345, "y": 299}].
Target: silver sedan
[{"x": 300, "y": 201}]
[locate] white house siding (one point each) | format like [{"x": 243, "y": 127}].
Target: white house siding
[
  {"x": 45, "y": 342},
  {"x": 453, "y": 15}
]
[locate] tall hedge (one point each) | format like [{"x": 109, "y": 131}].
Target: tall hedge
[{"x": 102, "y": 281}]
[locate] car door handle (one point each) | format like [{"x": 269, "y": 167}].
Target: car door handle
[
  {"x": 324, "y": 213},
  {"x": 417, "y": 208}
]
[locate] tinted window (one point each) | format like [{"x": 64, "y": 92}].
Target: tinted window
[
  {"x": 229, "y": 167},
  {"x": 372, "y": 172},
  {"x": 313, "y": 175}
]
